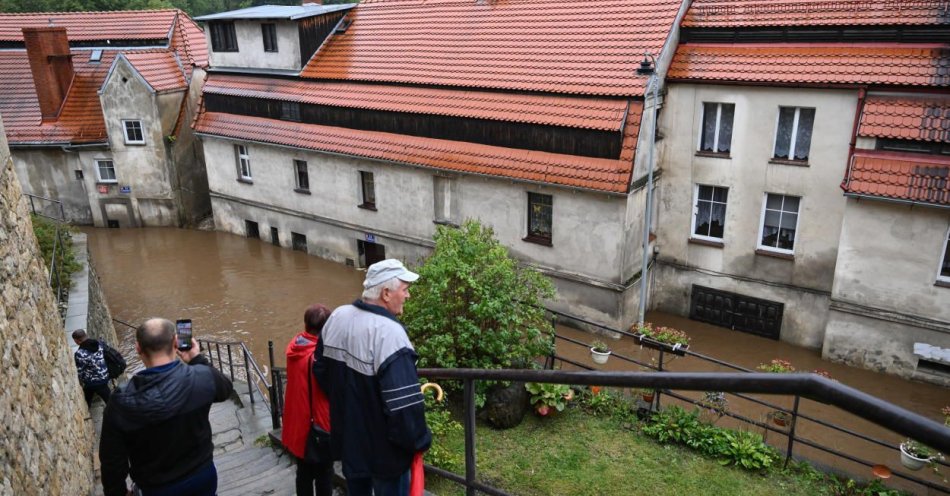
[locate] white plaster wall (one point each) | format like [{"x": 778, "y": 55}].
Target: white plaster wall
[
  {"x": 144, "y": 168},
  {"x": 251, "y": 52},
  {"x": 749, "y": 175},
  {"x": 584, "y": 258},
  {"x": 890, "y": 256}
]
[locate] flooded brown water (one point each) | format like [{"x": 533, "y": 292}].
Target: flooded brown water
[{"x": 235, "y": 288}]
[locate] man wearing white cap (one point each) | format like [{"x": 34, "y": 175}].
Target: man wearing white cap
[{"x": 367, "y": 368}]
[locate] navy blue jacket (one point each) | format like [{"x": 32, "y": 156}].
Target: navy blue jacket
[{"x": 367, "y": 368}]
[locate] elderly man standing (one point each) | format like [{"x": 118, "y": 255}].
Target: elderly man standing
[
  {"x": 367, "y": 367},
  {"x": 156, "y": 427}
]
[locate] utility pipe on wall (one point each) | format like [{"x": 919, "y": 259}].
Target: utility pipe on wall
[{"x": 648, "y": 67}]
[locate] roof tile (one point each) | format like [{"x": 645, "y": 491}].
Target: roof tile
[
  {"x": 924, "y": 118},
  {"x": 92, "y": 26},
  {"x": 812, "y": 64},
  {"x": 564, "y": 170},
  {"x": 576, "y": 46},
  {"x": 902, "y": 176},
  {"x": 748, "y": 13},
  {"x": 160, "y": 69}
]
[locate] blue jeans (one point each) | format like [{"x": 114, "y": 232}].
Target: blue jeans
[{"x": 366, "y": 486}]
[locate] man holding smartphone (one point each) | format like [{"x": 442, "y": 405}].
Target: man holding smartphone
[{"x": 155, "y": 428}]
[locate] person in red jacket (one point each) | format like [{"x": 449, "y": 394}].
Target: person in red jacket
[{"x": 298, "y": 407}]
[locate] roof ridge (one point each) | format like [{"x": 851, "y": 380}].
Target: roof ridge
[{"x": 85, "y": 12}]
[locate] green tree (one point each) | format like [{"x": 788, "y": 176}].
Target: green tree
[{"x": 475, "y": 307}]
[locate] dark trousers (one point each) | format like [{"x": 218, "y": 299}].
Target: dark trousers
[
  {"x": 314, "y": 477},
  {"x": 395, "y": 486},
  {"x": 204, "y": 482},
  {"x": 100, "y": 389}
]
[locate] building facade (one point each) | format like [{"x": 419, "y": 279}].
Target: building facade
[
  {"x": 816, "y": 176},
  {"x": 98, "y": 107},
  {"x": 371, "y": 146}
]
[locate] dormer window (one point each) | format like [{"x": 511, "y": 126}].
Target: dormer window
[
  {"x": 290, "y": 111},
  {"x": 269, "y": 34}
]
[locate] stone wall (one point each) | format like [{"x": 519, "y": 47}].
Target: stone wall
[{"x": 46, "y": 442}]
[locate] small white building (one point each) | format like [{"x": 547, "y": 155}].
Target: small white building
[{"x": 97, "y": 109}]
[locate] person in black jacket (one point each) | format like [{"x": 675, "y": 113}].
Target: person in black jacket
[
  {"x": 91, "y": 366},
  {"x": 156, "y": 427}
]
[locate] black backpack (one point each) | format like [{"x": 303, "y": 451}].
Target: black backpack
[{"x": 115, "y": 362}]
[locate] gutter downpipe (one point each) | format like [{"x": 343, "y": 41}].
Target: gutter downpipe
[{"x": 649, "y": 207}]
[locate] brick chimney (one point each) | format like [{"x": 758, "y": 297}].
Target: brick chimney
[{"x": 47, "y": 49}]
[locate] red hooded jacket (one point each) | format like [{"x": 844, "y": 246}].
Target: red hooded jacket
[{"x": 296, "y": 421}]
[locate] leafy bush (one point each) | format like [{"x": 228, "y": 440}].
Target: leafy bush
[
  {"x": 740, "y": 448},
  {"x": 440, "y": 422},
  {"x": 550, "y": 395},
  {"x": 45, "y": 231},
  {"x": 475, "y": 307}
]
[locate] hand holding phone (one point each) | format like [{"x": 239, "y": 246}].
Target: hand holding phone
[{"x": 183, "y": 331}]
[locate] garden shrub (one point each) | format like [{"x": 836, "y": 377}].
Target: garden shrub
[
  {"x": 443, "y": 426},
  {"x": 45, "y": 232},
  {"x": 475, "y": 307}
]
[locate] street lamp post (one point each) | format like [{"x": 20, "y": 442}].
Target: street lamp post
[{"x": 648, "y": 66}]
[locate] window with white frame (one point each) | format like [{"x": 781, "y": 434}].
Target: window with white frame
[
  {"x": 243, "y": 162},
  {"x": 105, "y": 169},
  {"x": 793, "y": 136},
  {"x": 301, "y": 175},
  {"x": 709, "y": 212},
  {"x": 716, "y": 135},
  {"x": 944, "y": 274},
  {"x": 779, "y": 223},
  {"x": 133, "y": 132}
]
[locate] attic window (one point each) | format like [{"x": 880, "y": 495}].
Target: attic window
[{"x": 95, "y": 56}]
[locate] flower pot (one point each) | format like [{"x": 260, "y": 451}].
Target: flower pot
[
  {"x": 647, "y": 397},
  {"x": 912, "y": 462},
  {"x": 599, "y": 357},
  {"x": 780, "y": 419}
]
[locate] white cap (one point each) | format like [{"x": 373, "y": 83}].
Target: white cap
[{"x": 381, "y": 272}]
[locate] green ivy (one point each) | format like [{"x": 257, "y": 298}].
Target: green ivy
[
  {"x": 475, "y": 307},
  {"x": 45, "y": 231}
]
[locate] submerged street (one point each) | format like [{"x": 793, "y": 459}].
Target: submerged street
[{"x": 235, "y": 288}]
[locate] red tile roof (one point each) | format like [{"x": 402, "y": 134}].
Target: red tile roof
[
  {"x": 81, "y": 119},
  {"x": 159, "y": 68},
  {"x": 900, "y": 176},
  {"x": 743, "y": 13},
  {"x": 811, "y": 64},
  {"x": 560, "y": 46},
  {"x": 566, "y": 170},
  {"x": 92, "y": 26},
  {"x": 590, "y": 113},
  {"x": 905, "y": 117}
]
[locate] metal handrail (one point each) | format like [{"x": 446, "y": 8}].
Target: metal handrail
[
  {"x": 250, "y": 366},
  {"x": 59, "y": 244},
  {"x": 810, "y": 386}
]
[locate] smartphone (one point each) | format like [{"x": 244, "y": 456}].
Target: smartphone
[{"x": 183, "y": 328}]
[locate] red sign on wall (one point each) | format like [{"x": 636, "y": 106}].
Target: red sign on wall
[{"x": 103, "y": 188}]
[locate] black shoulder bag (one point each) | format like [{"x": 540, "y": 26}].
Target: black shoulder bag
[{"x": 318, "y": 440}]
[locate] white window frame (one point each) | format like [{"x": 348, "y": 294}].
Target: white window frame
[
  {"x": 243, "y": 162},
  {"x": 692, "y": 228},
  {"x": 99, "y": 177},
  {"x": 793, "y": 139},
  {"x": 798, "y": 218},
  {"x": 125, "y": 131},
  {"x": 946, "y": 246},
  {"x": 702, "y": 122}
]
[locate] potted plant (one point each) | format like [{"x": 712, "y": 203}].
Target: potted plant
[
  {"x": 781, "y": 418},
  {"x": 647, "y": 395},
  {"x": 777, "y": 366},
  {"x": 915, "y": 455},
  {"x": 548, "y": 398},
  {"x": 599, "y": 352},
  {"x": 661, "y": 338}
]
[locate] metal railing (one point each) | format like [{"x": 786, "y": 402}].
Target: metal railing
[
  {"x": 255, "y": 377},
  {"x": 60, "y": 242},
  {"x": 810, "y": 386},
  {"x": 795, "y": 413}
]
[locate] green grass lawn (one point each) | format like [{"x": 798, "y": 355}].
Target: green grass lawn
[{"x": 575, "y": 453}]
